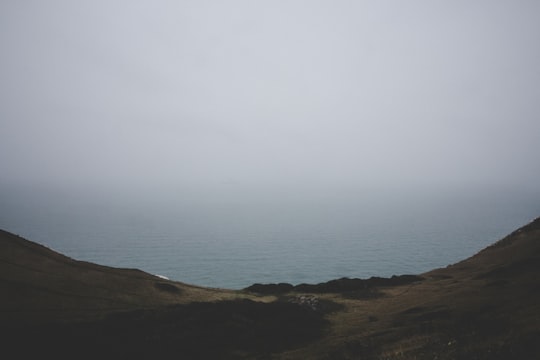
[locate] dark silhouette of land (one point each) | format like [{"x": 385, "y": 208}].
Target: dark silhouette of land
[{"x": 485, "y": 307}]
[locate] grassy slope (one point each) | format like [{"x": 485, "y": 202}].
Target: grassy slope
[
  {"x": 40, "y": 285},
  {"x": 484, "y": 307}
]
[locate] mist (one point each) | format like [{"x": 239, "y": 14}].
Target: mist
[{"x": 214, "y": 99}]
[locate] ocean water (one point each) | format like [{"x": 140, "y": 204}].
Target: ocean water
[{"x": 234, "y": 241}]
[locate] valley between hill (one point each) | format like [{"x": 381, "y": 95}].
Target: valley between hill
[{"x": 484, "y": 307}]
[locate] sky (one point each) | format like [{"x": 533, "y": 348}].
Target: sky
[{"x": 220, "y": 95}]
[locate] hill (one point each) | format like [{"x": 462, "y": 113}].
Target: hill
[
  {"x": 41, "y": 285},
  {"x": 485, "y": 307}
]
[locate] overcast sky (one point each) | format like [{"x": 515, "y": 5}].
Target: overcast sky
[{"x": 221, "y": 94}]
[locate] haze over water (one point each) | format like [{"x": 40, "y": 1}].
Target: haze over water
[
  {"x": 234, "y": 242},
  {"x": 301, "y": 140}
]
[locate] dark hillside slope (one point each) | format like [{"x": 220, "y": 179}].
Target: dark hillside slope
[
  {"x": 489, "y": 304},
  {"x": 485, "y": 307},
  {"x": 516, "y": 254},
  {"x": 38, "y": 284},
  {"x": 58, "y": 307}
]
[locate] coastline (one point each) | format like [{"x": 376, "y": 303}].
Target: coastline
[{"x": 484, "y": 307}]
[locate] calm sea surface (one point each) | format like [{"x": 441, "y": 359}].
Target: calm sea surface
[{"x": 233, "y": 243}]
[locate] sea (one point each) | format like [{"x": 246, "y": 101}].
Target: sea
[{"x": 236, "y": 240}]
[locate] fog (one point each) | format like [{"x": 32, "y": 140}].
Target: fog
[{"x": 274, "y": 97}]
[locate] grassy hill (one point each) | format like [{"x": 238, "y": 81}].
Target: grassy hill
[
  {"x": 41, "y": 285},
  {"x": 485, "y": 307}
]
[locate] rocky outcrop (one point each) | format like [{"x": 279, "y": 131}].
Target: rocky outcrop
[
  {"x": 270, "y": 289},
  {"x": 342, "y": 285}
]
